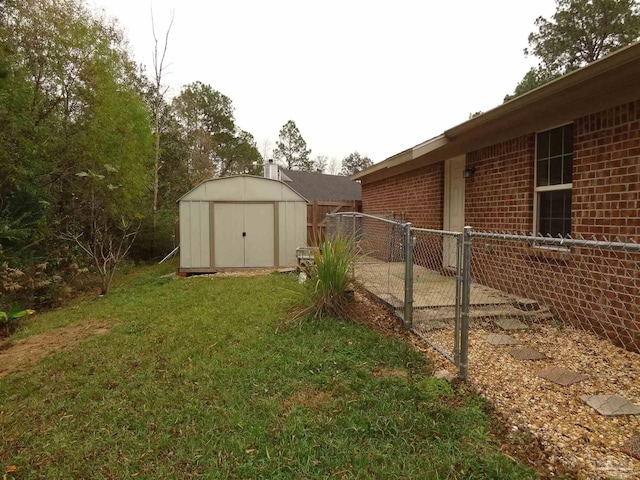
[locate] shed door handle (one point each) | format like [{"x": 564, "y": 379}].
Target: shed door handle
[{"x": 244, "y": 234}]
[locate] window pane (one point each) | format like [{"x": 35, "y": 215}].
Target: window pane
[
  {"x": 542, "y": 173},
  {"x": 554, "y": 213},
  {"x": 556, "y": 227},
  {"x": 556, "y": 207},
  {"x": 555, "y": 171},
  {"x": 543, "y": 145},
  {"x": 544, "y": 206},
  {"x": 568, "y": 138},
  {"x": 567, "y": 167},
  {"x": 554, "y": 166},
  {"x": 544, "y": 226},
  {"x": 567, "y": 204},
  {"x": 555, "y": 142}
]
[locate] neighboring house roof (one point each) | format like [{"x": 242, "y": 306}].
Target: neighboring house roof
[
  {"x": 318, "y": 186},
  {"x": 610, "y": 81}
]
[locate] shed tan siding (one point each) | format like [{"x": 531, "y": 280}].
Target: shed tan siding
[{"x": 194, "y": 235}]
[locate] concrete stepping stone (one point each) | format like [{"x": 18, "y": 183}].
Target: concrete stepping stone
[
  {"x": 510, "y": 324},
  {"x": 500, "y": 339},
  {"x": 632, "y": 447},
  {"x": 610, "y": 405},
  {"x": 526, "y": 353},
  {"x": 561, "y": 376},
  {"x": 527, "y": 304}
]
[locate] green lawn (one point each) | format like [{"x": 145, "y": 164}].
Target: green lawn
[{"x": 195, "y": 379}]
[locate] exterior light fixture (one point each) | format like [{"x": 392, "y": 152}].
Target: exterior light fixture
[{"x": 468, "y": 172}]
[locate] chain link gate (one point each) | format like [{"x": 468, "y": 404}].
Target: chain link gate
[
  {"x": 380, "y": 242},
  {"x": 437, "y": 289},
  {"x": 417, "y": 272}
]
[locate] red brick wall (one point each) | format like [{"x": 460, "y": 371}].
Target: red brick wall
[
  {"x": 606, "y": 173},
  {"x": 598, "y": 290},
  {"x": 418, "y": 195},
  {"x": 499, "y": 196}
]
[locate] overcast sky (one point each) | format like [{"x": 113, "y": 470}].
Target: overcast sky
[{"x": 377, "y": 77}]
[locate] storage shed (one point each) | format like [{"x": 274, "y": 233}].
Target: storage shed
[{"x": 241, "y": 221}]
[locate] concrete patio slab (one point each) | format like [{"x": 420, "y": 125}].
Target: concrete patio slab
[
  {"x": 430, "y": 288},
  {"x": 610, "y": 405},
  {"x": 561, "y": 376}
]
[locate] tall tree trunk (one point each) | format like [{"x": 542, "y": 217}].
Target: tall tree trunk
[{"x": 158, "y": 67}]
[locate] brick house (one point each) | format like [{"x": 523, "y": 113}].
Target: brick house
[{"x": 563, "y": 159}]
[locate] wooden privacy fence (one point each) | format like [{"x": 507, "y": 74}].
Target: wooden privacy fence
[{"x": 317, "y": 212}]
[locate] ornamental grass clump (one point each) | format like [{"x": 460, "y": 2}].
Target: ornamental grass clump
[{"x": 331, "y": 279}]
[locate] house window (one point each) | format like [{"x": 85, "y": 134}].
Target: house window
[{"x": 554, "y": 161}]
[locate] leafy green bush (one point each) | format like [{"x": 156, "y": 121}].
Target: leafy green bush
[
  {"x": 8, "y": 319},
  {"x": 331, "y": 281}
]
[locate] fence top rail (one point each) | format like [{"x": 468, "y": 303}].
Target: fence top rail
[
  {"x": 443, "y": 233},
  {"x": 366, "y": 215},
  {"x": 560, "y": 242}
]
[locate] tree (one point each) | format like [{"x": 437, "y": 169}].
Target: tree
[
  {"x": 534, "y": 78},
  {"x": 70, "y": 102},
  {"x": 100, "y": 229},
  {"x": 216, "y": 145},
  {"x": 333, "y": 167},
  {"x": 580, "y": 32},
  {"x": 158, "y": 101},
  {"x": 320, "y": 163},
  {"x": 291, "y": 149},
  {"x": 174, "y": 178},
  {"x": 354, "y": 163},
  {"x": 241, "y": 156},
  {"x": 206, "y": 115},
  {"x": 266, "y": 149}
]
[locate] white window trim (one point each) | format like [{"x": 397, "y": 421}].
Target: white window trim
[{"x": 546, "y": 188}]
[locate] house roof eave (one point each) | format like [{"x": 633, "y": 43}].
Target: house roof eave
[
  {"x": 403, "y": 157},
  {"x": 491, "y": 126}
]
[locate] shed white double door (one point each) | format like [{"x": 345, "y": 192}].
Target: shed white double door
[{"x": 244, "y": 234}]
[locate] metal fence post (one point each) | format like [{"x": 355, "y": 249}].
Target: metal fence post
[
  {"x": 456, "y": 331},
  {"x": 408, "y": 276},
  {"x": 354, "y": 227},
  {"x": 466, "y": 295}
]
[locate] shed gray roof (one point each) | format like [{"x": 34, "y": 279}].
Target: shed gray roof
[{"x": 318, "y": 186}]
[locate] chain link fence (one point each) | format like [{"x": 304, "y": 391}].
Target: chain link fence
[
  {"x": 444, "y": 284},
  {"x": 547, "y": 329},
  {"x": 590, "y": 284},
  {"x": 381, "y": 265}
]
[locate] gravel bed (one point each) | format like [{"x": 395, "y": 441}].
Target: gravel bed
[{"x": 576, "y": 439}]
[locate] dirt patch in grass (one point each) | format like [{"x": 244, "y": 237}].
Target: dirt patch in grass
[
  {"x": 238, "y": 272},
  {"x": 389, "y": 373},
  {"x": 307, "y": 397},
  {"x": 23, "y": 354}
]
